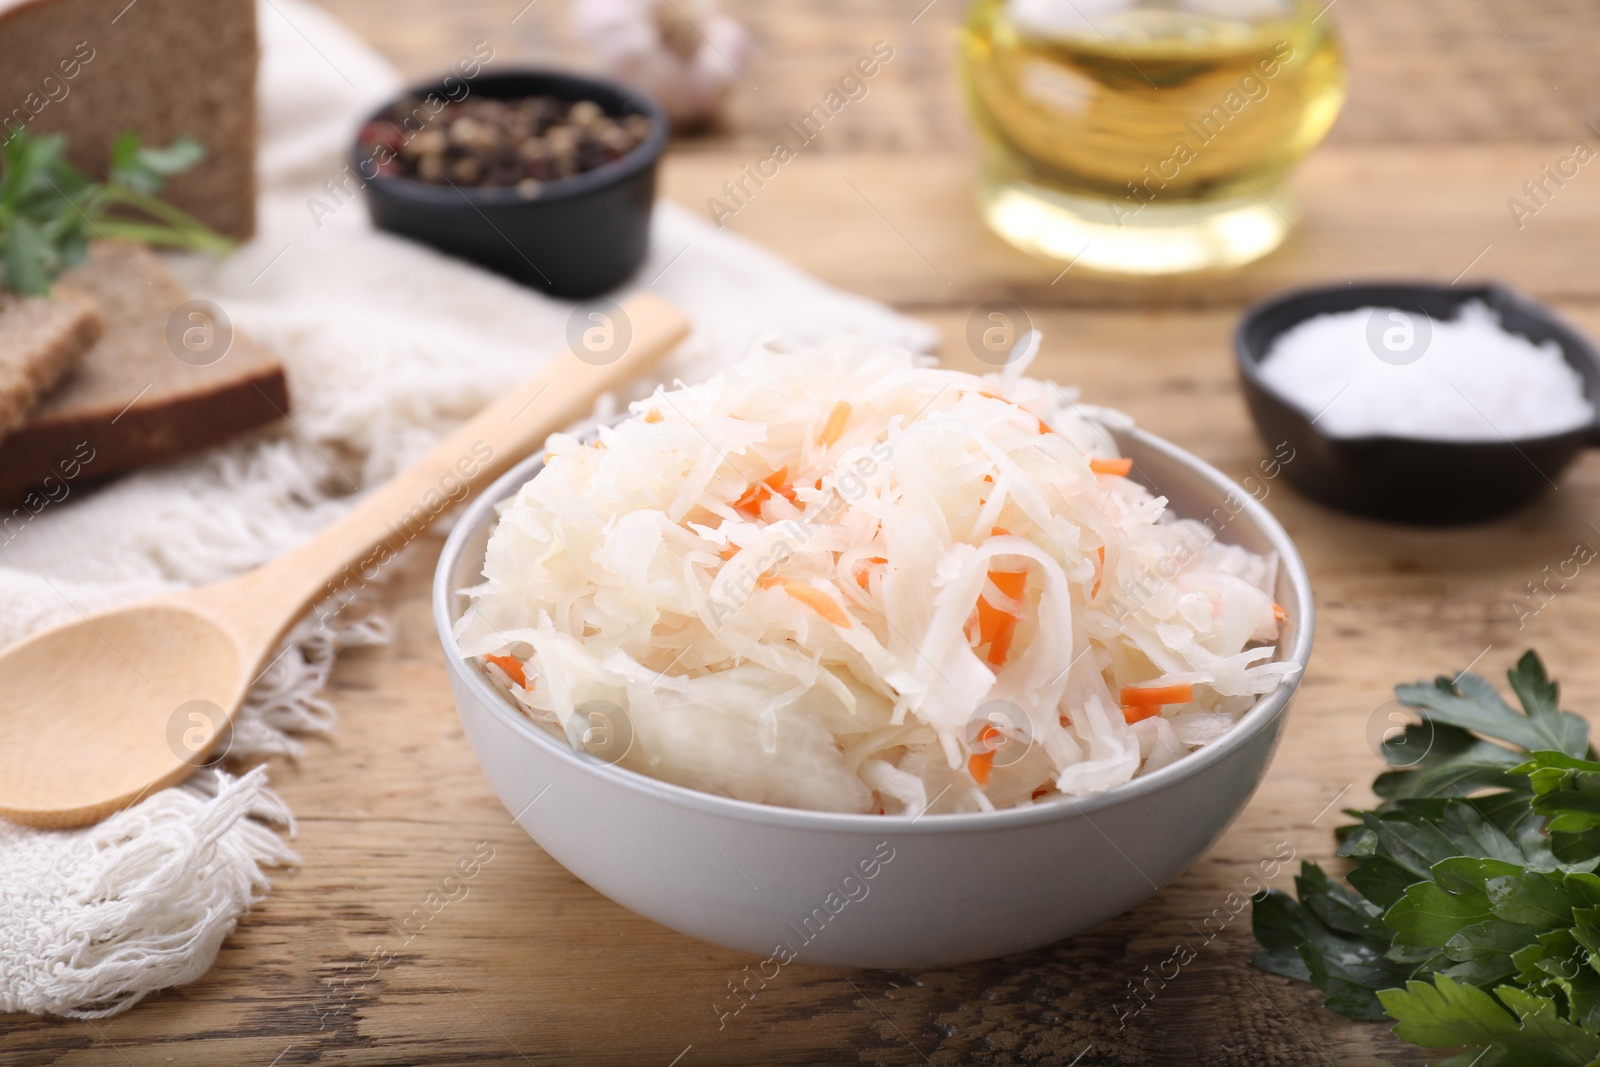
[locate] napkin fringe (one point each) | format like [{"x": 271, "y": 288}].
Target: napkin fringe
[
  {"x": 141, "y": 902},
  {"x": 98, "y": 919}
]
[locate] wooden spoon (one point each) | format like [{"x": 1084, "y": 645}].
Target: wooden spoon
[{"x": 99, "y": 712}]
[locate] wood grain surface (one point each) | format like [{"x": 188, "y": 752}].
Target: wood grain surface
[{"x": 1454, "y": 104}]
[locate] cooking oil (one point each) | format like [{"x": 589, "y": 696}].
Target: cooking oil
[{"x": 1147, "y": 136}]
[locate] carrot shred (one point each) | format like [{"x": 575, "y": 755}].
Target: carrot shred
[
  {"x": 1065, "y": 722},
  {"x": 834, "y": 429},
  {"x": 1098, "y": 577},
  {"x": 778, "y": 482},
  {"x": 1137, "y": 714},
  {"x": 766, "y": 581},
  {"x": 819, "y": 602},
  {"x": 980, "y": 767},
  {"x": 512, "y": 668},
  {"x": 1041, "y": 791},
  {"x": 996, "y": 626},
  {"x": 652, "y": 415},
  {"x": 1000, "y": 644},
  {"x": 752, "y": 497},
  {"x": 729, "y": 552},
  {"x": 1011, "y": 583},
  {"x": 860, "y": 568},
  {"x": 1119, "y": 467},
  {"x": 1153, "y": 696},
  {"x": 1279, "y": 613},
  {"x": 756, "y": 494},
  {"x": 981, "y": 764}
]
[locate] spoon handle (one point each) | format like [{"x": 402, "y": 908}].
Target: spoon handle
[{"x": 616, "y": 348}]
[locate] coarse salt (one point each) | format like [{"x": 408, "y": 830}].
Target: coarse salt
[{"x": 1383, "y": 372}]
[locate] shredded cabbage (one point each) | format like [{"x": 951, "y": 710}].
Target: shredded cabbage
[{"x": 843, "y": 580}]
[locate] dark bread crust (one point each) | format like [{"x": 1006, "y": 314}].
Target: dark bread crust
[
  {"x": 41, "y": 340},
  {"x": 134, "y": 402},
  {"x": 95, "y": 448},
  {"x": 162, "y": 68}
]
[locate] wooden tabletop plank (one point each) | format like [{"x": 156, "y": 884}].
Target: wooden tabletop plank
[
  {"x": 901, "y": 227},
  {"x": 1422, "y": 71}
]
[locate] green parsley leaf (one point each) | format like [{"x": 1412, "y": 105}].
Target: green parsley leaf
[
  {"x": 1526, "y": 1030},
  {"x": 49, "y": 211},
  {"x": 1453, "y": 759},
  {"x": 27, "y": 257},
  {"x": 1473, "y": 913},
  {"x": 1327, "y": 941},
  {"x": 1473, "y": 704},
  {"x": 146, "y": 169},
  {"x": 1428, "y": 915},
  {"x": 1540, "y": 699}
]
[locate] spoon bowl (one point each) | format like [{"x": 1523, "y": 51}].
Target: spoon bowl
[
  {"x": 160, "y": 664},
  {"x": 100, "y": 711}
]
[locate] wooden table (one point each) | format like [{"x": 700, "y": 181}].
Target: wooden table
[{"x": 1454, "y": 104}]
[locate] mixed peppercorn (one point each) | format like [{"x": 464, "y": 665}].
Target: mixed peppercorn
[{"x": 500, "y": 143}]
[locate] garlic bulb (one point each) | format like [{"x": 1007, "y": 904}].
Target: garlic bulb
[{"x": 683, "y": 52}]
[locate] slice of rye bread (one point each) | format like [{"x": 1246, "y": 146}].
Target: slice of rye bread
[
  {"x": 94, "y": 69},
  {"x": 41, "y": 339},
  {"x": 134, "y": 401}
]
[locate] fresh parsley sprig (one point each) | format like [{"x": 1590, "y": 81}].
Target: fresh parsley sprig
[
  {"x": 1472, "y": 918},
  {"x": 49, "y": 211}
]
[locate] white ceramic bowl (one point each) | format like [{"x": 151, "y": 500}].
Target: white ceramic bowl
[{"x": 864, "y": 890}]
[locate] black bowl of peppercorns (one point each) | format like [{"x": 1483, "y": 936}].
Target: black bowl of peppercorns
[{"x": 546, "y": 177}]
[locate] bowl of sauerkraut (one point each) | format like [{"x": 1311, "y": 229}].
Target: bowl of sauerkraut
[{"x": 838, "y": 624}]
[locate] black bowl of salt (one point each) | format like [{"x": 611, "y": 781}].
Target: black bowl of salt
[{"x": 1421, "y": 404}]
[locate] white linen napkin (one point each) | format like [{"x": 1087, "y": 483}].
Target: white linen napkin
[{"x": 387, "y": 345}]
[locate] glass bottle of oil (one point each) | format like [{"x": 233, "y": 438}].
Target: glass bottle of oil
[{"x": 1147, "y": 136}]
